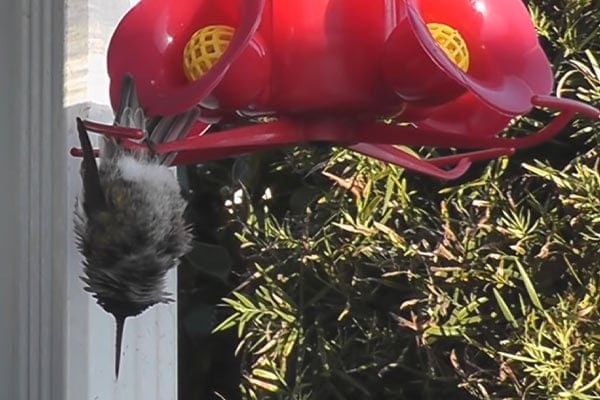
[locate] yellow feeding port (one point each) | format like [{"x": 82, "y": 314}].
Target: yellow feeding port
[
  {"x": 204, "y": 49},
  {"x": 453, "y": 44}
]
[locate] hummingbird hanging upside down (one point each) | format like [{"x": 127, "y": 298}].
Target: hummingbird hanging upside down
[{"x": 129, "y": 221}]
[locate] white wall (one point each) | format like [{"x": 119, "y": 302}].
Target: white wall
[
  {"x": 33, "y": 228},
  {"x": 55, "y": 343}
]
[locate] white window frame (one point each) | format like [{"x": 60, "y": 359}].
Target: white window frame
[{"x": 55, "y": 342}]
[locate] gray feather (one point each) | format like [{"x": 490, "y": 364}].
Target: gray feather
[{"x": 157, "y": 129}]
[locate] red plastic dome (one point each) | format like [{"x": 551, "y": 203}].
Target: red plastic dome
[
  {"x": 149, "y": 41},
  {"x": 507, "y": 69}
]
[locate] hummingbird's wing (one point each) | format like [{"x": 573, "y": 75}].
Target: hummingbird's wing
[{"x": 93, "y": 194}]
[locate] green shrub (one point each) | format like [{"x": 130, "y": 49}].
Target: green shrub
[{"x": 357, "y": 280}]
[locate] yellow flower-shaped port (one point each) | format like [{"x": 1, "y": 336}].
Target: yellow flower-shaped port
[
  {"x": 204, "y": 49},
  {"x": 452, "y": 42}
]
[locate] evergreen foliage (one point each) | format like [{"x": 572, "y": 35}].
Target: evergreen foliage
[{"x": 346, "y": 278}]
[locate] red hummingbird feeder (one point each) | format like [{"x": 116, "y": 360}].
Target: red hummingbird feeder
[{"x": 452, "y": 74}]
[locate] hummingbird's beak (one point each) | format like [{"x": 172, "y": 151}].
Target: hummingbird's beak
[{"x": 120, "y": 325}]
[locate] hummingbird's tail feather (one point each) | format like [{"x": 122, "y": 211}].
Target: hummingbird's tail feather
[
  {"x": 158, "y": 129},
  {"x": 172, "y": 128},
  {"x": 129, "y": 106}
]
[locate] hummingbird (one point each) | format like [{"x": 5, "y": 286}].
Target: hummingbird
[{"x": 129, "y": 220}]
